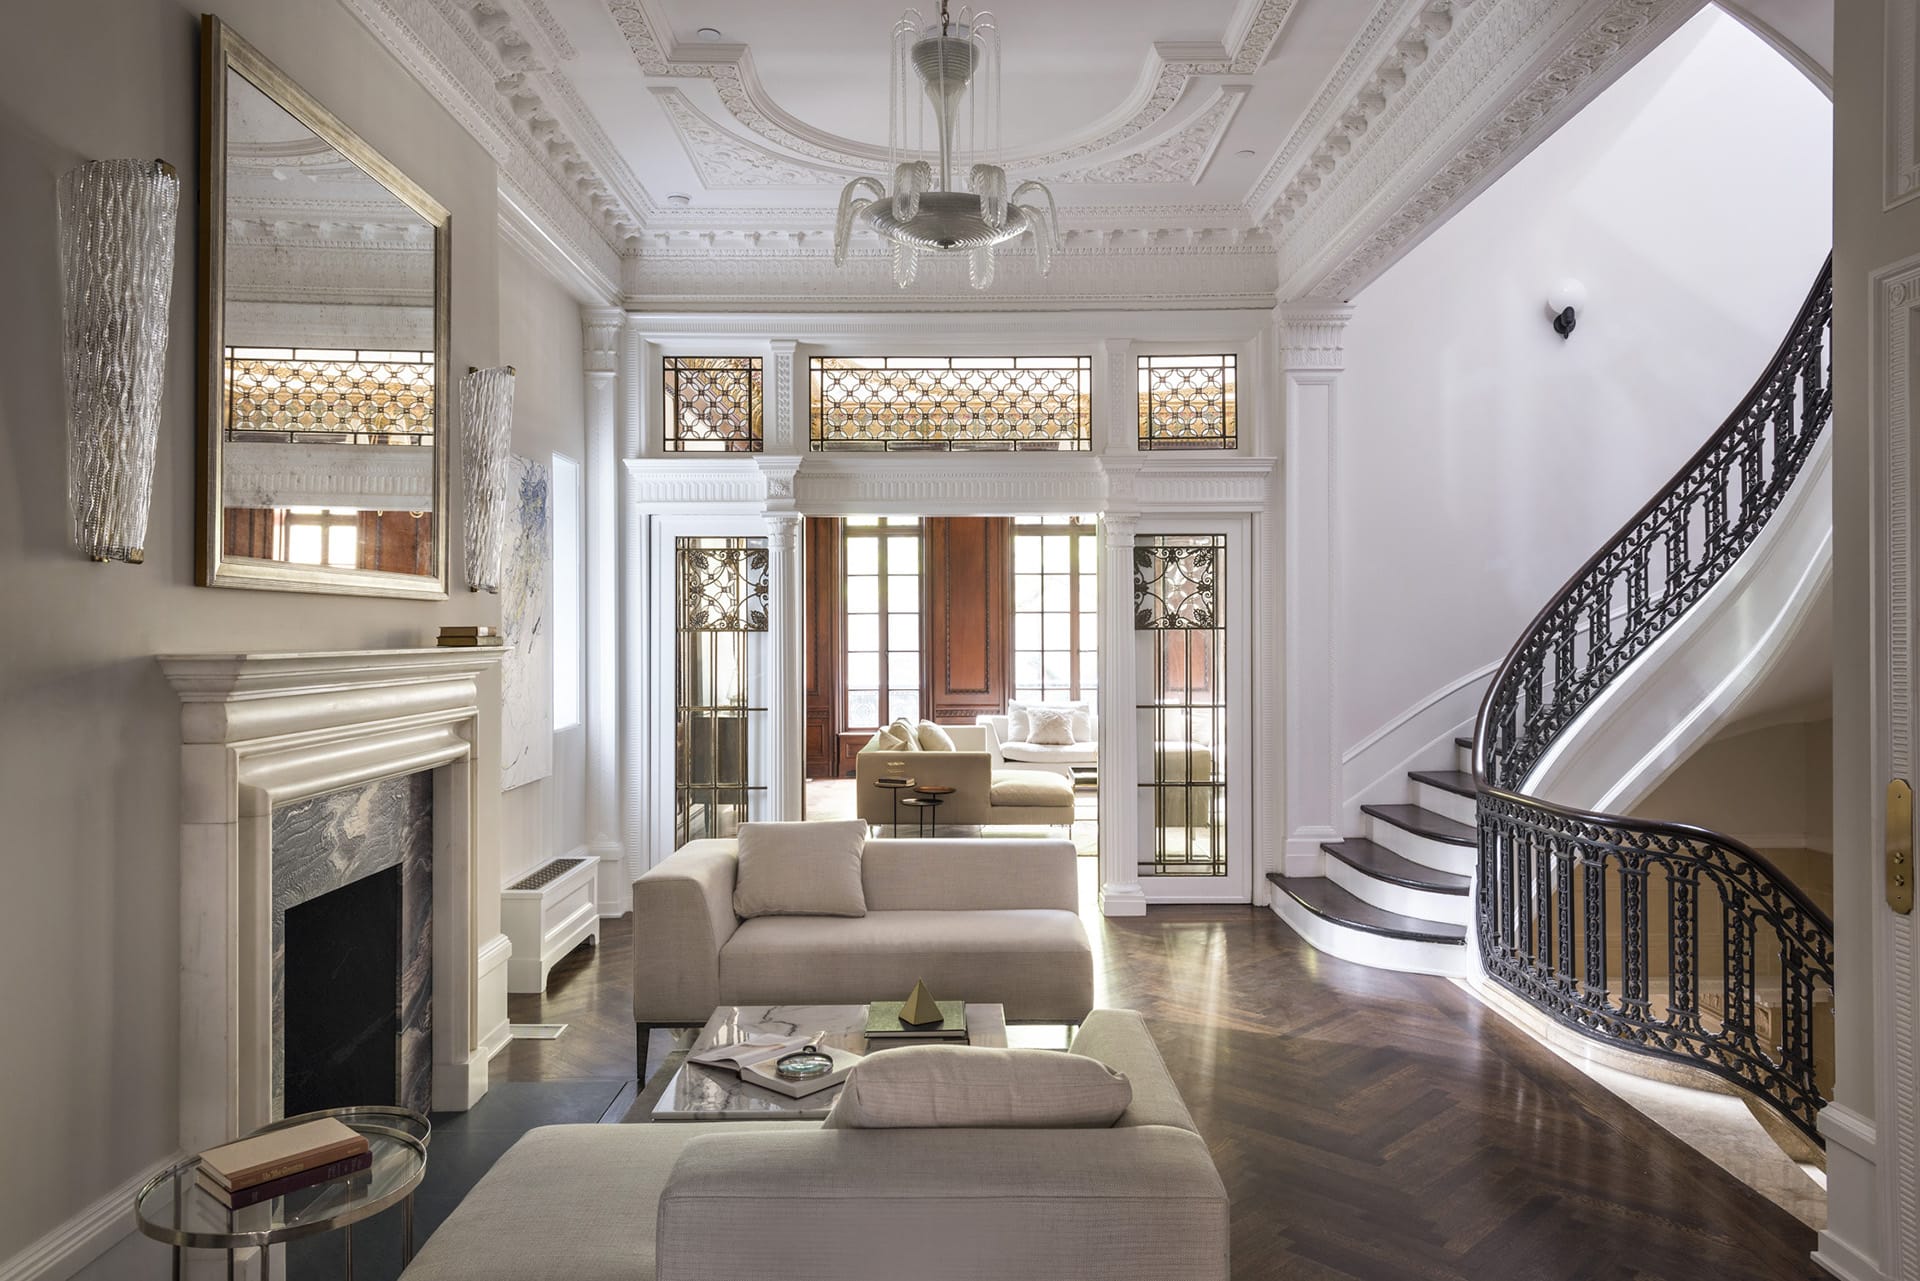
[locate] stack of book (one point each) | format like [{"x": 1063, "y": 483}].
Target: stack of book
[
  {"x": 885, "y": 1024},
  {"x": 277, "y": 1162},
  {"x": 471, "y": 637}
]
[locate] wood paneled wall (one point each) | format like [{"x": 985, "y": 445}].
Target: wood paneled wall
[{"x": 966, "y": 626}]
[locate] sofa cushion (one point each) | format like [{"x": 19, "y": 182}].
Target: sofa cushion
[
  {"x": 1029, "y": 787},
  {"x": 885, "y": 740},
  {"x": 907, "y": 732},
  {"x": 1051, "y": 754},
  {"x": 1034, "y": 961},
  {"x": 943, "y": 1087},
  {"x": 932, "y": 738},
  {"x": 1050, "y": 726},
  {"x": 800, "y": 869},
  {"x": 1119, "y": 1039},
  {"x": 572, "y": 1201}
]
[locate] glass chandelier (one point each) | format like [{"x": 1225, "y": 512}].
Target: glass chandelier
[{"x": 948, "y": 56}]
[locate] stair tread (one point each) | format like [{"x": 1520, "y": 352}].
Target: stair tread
[
  {"x": 1464, "y": 741},
  {"x": 1457, "y": 781},
  {"x": 1383, "y": 864},
  {"x": 1424, "y": 822},
  {"x": 1328, "y": 901}
]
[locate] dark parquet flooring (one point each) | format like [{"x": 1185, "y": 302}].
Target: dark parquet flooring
[{"x": 1369, "y": 1125}]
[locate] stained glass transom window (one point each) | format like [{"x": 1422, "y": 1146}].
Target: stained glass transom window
[
  {"x": 723, "y": 588},
  {"x": 952, "y": 402},
  {"x": 713, "y": 404},
  {"x": 310, "y": 396},
  {"x": 1188, "y": 402}
]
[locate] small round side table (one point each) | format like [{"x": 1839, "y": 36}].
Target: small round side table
[
  {"x": 926, "y": 810},
  {"x": 175, "y": 1210},
  {"x": 896, "y": 786}
]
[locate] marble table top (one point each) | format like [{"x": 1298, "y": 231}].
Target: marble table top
[{"x": 699, "y": 1093}]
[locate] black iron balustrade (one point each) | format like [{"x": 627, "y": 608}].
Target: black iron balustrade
[{"x": 1578, "y": 911}]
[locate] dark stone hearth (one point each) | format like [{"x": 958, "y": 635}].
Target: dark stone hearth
[{"x": 323, "y": 845}]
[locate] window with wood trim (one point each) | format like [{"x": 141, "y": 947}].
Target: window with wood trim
[
  {"x": 1188, "y": 402},
  {"x": 952, "y": 403},
  {"x": 712, "y": 404},
  {"x": 881, "y": 556},
  {"x": 1056, "y": 628}
]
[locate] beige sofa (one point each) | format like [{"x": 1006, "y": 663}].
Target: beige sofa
[
  {"x": 983, "y": 795},
  {"x": 1140, "y": 1201},
  {"x": 992, "y": 921}
]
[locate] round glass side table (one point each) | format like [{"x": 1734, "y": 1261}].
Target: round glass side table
[{"x": 174, "y": 1209}]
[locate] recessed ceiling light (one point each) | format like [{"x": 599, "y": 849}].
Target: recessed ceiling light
[
  {"x": 679, "y": 199},
  {"x": 708, "y": 33},
  {"x": 1245, "y": 153}
]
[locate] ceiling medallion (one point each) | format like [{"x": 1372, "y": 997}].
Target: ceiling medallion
[{"x": 947, "y": 56}]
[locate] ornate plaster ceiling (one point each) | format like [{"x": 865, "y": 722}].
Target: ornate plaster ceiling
[{"x": 1290, "y": 145}]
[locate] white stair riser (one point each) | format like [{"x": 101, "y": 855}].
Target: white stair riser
[
  {"x": 1458, "y": 859},
  {"x": 1455, "y": 909},
  {"x": 1377, "y": 950},
  {"x": 1463, "y": 759},
  {"x": 1461, "y": 809}
]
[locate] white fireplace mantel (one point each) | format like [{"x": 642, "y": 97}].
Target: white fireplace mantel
[{"x": 263, "y": 730}]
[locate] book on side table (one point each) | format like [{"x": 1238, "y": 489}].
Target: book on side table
[
  {"x": 755, "y": 1059},
  {"x": 264, "y": 1166}
]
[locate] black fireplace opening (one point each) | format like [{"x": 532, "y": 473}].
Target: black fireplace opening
[{"x": 342, "y": 1011}]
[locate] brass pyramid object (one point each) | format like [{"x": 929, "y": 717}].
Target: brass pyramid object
[{"x": 921, "y": 1010}]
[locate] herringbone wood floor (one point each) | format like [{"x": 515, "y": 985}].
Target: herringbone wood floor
[{"x": 1368, "y": 1125}]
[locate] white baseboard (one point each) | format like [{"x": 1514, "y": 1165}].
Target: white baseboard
[
  {"x": 1850, "y": 1242},
  {"x": 1131, "y": 901},
  {"x": 491, "y": 989},
  {"x": 1303, "y": 855},
  {"x": 84, "y": 1237}
]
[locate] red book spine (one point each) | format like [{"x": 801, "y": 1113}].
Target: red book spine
[{"x": 294, "y": 1182}]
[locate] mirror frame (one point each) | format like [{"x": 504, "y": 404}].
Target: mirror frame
[{"x": 221, "y": 51}]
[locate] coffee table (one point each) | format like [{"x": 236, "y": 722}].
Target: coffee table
[{"x": 698, "y": 1093}]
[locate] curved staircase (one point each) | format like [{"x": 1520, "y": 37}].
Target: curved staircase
[
  {"x": 1661, "y": 939},
  {"x": 1400, "y": 896}
]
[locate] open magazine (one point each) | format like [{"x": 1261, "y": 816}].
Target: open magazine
[
  {"x": 754, "y": 1060},
  {"x": 761, "y": 1047}
]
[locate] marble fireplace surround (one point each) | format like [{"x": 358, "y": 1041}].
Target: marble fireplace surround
[{"x": 263, "y": 730}]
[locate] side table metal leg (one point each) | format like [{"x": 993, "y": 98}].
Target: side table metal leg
[
  {"x": 349, "y": 1252},
  {"x": 180, "y": 1261},
  {"x": 406, "y": 1242},
  {"x": 231, "y": 1266},
  {"x": 266, "y": 1263}
]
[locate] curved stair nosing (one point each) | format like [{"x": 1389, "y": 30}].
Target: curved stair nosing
[
  {"x": 1388, "y": 825},
  {"x": 1363, "y": 947},
  {"x": 1392, "y": 895}
]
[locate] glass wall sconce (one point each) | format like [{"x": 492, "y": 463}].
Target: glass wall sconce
[
  {"x": 486, "y": 395},
  {"x": 117, "y": 221}
]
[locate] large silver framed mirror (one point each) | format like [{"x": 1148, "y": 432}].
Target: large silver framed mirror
[{"x": 323, "y": 346}]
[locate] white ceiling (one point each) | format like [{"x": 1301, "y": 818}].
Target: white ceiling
[{"x": 1120, "y": 104}]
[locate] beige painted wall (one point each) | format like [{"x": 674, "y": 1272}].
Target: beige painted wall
[
  {"x": 1770, "y": 787},
  {"x": 89, "y": 935},
  {"x": 540, "y": 338}
]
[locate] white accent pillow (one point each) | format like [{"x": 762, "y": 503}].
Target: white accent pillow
[
  {"x": 904, "y": 731},
  {"x": 1018, "y": 726},
  {"x": 1020, "y": 721},
  {"x": 1082, "y": 722},
  {"x": 800, "y": 869},
  {"x": 933, "y": 738},
  {"x": 973, "y": 1087},
  {"x": 884, "y": 741},
  {"x": 1052, "y": 726}
]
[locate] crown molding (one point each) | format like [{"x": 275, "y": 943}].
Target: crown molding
[
  {"x": 1179, "y": 156},
  {"x": 525, "y": 231},
  {"x": 1467, "y": 88},
  {"x": 725, "y": 160},
  {"x": 1169, "y": 69}
]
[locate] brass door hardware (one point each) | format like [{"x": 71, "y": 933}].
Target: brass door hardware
[{"x": 1900, "y": 846}]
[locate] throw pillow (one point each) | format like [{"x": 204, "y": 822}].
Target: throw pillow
[
  {"x": 884, "y": 741},
  {"x": 1018, "y": 726},
  {"x": 1082, "y": 722},
  {"x": 904, "y": 730},
  {"x": 800, "y": 869},
  {"x": 933, "y": 738},
  {"x": 1052, "y": 726},
  {"x": 972, "y": 1087}
]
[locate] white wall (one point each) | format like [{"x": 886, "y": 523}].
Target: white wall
[
  {"x": 89, "y": 762},
  {"x": 540, "y": 338},
  {"x": 1481, "y": 458},
  {"x": 1771, "y": 787}
]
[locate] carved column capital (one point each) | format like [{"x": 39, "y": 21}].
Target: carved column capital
[
  {"x": 600, "y": 329},
  {"x": 1312, "y": 336}
]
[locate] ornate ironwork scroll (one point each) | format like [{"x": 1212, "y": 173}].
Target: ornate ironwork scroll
[
  {"x": 719, "y": 705},
  {"x": 1661, "y": 938},
  {"x": 1188, "y": 402},
  {"x": 331, "y": 397},
  {"x": 713, "y": 404},
  {"x": 953, "y": 403},
  {"x": 1175, "y": 584},
  {"x": 724, "y": 588},
  {"x": 1177, "y": 580}
]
